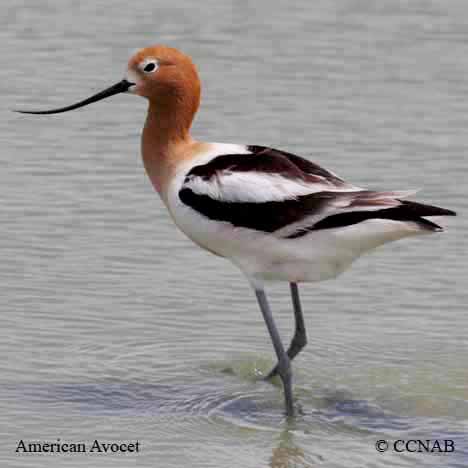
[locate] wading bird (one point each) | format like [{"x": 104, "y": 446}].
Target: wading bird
[{"x": 275, "y": 215}]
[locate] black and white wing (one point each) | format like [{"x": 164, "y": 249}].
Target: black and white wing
[{"x": 276, "y": 192}]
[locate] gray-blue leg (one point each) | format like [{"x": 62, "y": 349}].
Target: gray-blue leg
[
  {"x": 300, "y": 338},
  {"x": 284, "y": 367}
]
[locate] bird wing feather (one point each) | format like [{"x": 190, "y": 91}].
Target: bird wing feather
[{"x": 275, "y": 191}]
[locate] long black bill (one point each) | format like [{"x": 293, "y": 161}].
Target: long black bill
[{"x": 120, "y": 87}]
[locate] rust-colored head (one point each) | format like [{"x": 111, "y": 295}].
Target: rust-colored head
[
  {"x": 169, "y": 80},
  {"x": 163, "y": 73}
]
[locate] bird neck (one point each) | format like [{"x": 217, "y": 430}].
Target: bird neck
[
  {"x": 168, "y": 121},
  {"x": 165, "y": 140}
]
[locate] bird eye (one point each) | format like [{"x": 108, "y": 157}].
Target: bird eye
[{"x": 150, "y": 67}]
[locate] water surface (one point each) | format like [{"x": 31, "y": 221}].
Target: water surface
[{"x": 114, "y": 326}]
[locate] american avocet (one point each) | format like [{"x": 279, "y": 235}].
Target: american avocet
[{"x": 275, "y": 215}]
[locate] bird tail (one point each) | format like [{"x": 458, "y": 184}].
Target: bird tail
[{"x": 417, "y": 212}]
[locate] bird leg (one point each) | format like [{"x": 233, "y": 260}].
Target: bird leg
[
  {"x": 300, "y": 338},
  {"x": 284, "y": 366}
]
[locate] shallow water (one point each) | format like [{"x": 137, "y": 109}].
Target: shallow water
[{"x": 115, "y": 327}]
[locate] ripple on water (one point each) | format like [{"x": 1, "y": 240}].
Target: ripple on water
[
  {"x": 233, "y": 392},
  {"x": 231, "y": 398}
]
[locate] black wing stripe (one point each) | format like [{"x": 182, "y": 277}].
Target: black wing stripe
[
  {"x": 266, "y": 216},
  {"x": 303, "y": 164},
  {"x": 271, "y": 216},
  {"x": 266, "y": 161},
  {"x": 267, "y": 164},
  {"x": 407, "y": 211}
]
